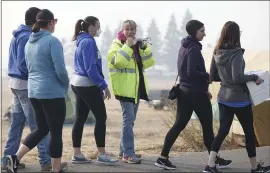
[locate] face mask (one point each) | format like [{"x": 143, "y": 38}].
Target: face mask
[{"x": 98, "y": 32}]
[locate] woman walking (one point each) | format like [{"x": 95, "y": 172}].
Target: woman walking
[
  {"x": 228, "y": 67},
  {"x": 193, "y": 94},
  {"x": 47, "y": 86},
  {"x": 90, "y": 89}
]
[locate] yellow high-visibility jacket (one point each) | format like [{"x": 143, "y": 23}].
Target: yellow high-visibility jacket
[{"x": 123, "y": 69}]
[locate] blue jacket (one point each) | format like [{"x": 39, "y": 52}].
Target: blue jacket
[
  {"x": 87, "y": 61},
  {"x": 16, "y": 63},
  {"x": 191, "y": 66},
  {"x": 48, "y": 77}
]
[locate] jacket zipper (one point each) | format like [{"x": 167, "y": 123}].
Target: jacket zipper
[{"x": 136, "y": 90}]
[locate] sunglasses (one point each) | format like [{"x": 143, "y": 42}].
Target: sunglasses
[{"x": 55, "y": 20}]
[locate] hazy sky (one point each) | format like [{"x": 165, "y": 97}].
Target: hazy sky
[{"x": 252, "y": 16}]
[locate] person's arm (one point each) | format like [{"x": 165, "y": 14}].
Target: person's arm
[
  {"x": 90, "y": 64},
  {"x": 21, "y": 64},
  {"x": 192, "y": 64},
  {"x": 119, "y": 56},
  {"x": 237, "y": 74},
  {"x": 59, "y": 62},
  {"x": 148, "y": 60},
  {"x": 214, "y": 76}
]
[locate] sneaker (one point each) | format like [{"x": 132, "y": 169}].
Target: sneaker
[
  {"x": 20, "y": 166},
  {"x": 131, "y": 160},
  {"x": 80, "y": 159},
  {"x": 106, "y": 159},
  {"x": 261, "y": 168},
  {"x": 48, "y": 167},
  {"x": 12, "y": 163},
  {"x": 121, "y": 156},
  {"x": 267, "y": 169},
  {"x": 4, "y": 164},
  {"x": 165, "y": 164},
  {"x": 222, "y": 163},
  {"x": 211, "y": 169}
]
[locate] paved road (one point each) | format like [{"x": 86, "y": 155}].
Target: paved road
[{"x": 187, "y": 162}]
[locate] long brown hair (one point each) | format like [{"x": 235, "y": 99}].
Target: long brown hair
[
  {"x": 230, "y": 35},
  {"x": 82, "y": 25}
]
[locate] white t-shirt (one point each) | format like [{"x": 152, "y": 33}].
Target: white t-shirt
[
  {"x": 18, "y": 84},
  {"x": 78, "y": 80}
]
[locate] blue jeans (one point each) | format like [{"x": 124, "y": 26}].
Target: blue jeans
[
  {"x": 127, "y": 137},
  {"x": 20, "y": 113}
]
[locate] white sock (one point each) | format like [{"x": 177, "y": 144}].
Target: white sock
[
  {"x": 162, "y": 157},
  {"x": 253, "y": 163},
  {"x": 212, "y": 159}
]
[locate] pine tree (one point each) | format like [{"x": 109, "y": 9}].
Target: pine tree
[
  {"x": 172, "y": 45},
  {"x": 106, "y": 42},
  {"x": 139, "y": 32},
  {"x": 69, "y": 50},
  {"x": 186, "y": 19},
  {"x": 154, "y": 33}
]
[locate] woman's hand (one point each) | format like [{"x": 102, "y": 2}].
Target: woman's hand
[
  {"x": 259, "y": 81},
  {"x": 141, "y": 43},
  {"x": 107, "y": 94},
  {"x": 209, "y": 95},
  {"x": 129, "y": 42}
]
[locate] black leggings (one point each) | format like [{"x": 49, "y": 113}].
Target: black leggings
[
  {"x": 186, "y": 104},
  {"x": 245, "y": 117},
  {"x": 50, "y": 116},
  {"x": 89, "y": 98}
]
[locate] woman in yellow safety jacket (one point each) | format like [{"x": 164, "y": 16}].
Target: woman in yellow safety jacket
[{"x": 128, "y": 57}]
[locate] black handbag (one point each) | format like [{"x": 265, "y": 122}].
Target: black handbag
[{"x": 174, "y": 91}]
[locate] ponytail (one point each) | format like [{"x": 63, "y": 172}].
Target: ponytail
[
  {"x": 36, "y": 27},
  {"x": 39, "y": 24},
  {"x": 78, "y": 29}
]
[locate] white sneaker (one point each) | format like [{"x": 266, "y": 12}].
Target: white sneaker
[
  {"x": 106, "y": 159},
  {"x": 80, "y": 159}
]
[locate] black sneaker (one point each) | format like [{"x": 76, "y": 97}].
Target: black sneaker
[
  {"x": 267, "y": 169},
  {"x": 222, "y": 163},
  {"x": 165, "y": 164},
  {"x": 211, "y": 169},
  {"x": 12, "y": 163},
  {"x": 261, "y": 169}
]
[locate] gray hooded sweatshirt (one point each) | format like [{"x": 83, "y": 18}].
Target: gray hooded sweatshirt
[{"x": 228, "y": 67}]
